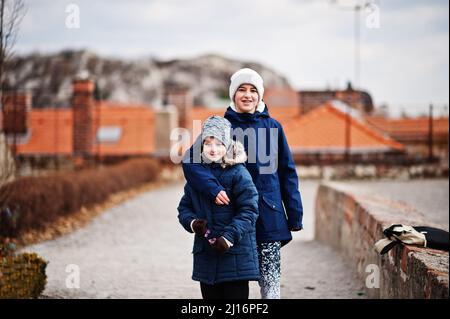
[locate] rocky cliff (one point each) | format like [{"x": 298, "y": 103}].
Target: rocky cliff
[{"x": 50, "y": 76}]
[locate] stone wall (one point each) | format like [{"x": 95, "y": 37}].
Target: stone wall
[
  {"x": 367, "y": 171},
  {"x": 351, "y": 222}
]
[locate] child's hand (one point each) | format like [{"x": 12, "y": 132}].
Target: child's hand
[
  {"x": 199, "y": 226},
  {"x": 222, "y": 198},
  {"x": 219, "y": 244}
]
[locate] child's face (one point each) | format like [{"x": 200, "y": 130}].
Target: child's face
[
  {"x": 246, "y": 99},
  {"x": 213, "y": 149}
]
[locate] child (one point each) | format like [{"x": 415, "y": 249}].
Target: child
[
  {"x": 277, "y": 183},
  {"x": 225, "y": 255}
]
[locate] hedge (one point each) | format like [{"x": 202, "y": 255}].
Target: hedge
[{"x": 31, "y": 203}]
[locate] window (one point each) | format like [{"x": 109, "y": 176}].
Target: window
[{"x": 109, "y": 134}]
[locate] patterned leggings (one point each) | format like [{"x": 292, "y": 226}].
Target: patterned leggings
[{"x": 269, "y": 266}]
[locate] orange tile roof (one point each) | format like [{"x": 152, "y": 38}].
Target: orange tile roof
[
  {"x": 284, "y": 113},
  {"x": 105, "y": 103},
  {"x": 319, "y": 130},
  {"x": 51, "y": 130},
  {"x": 410, "y": 128},
  {"x": 323, "y": 130},
  {"x": 137, "y": 123}
]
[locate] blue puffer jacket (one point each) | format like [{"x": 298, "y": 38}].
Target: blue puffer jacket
[
  {"x": 236, "y": 222},
  {"x": 276, "y": 184}
]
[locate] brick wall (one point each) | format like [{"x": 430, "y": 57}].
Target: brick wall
[
  {"x": 15, "y": 112},
  {"x": 281, "y": 97},
  {"x": 359, "y": 100},
  {"x": 183, "y": 100},
  {"x": 83, "y": 103},
  {"x": 351, "y": 222}
]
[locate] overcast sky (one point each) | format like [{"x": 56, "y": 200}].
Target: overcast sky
[{"x": 404, "y": 53}]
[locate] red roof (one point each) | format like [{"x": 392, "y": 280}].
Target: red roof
[
  {"x": 323, "y": 130},
  {"x": 320, "y": 130},
  {"x": 50, "y": 133},
  {"x": 137, "y": 127},
  {"x": 411, "y": 129},
  {"x": 51, "y": 130}
]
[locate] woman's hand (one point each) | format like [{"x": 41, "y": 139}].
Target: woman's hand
[{"x": 222, "y": 198}]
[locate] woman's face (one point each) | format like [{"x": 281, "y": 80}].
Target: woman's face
[
  {"x": 246, "y": 99},
  {"x": 213, "y": 149}
]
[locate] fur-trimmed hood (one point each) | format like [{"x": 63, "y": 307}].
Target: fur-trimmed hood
[{"x": 235, "y": 155}]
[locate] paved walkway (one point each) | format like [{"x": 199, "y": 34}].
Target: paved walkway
[{"x": 139, "y": 250}]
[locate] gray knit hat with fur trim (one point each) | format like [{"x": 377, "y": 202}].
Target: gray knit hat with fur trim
[{"x": 219, "y": 128}]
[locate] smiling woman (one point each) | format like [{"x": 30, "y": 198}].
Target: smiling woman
[
  {"x": 246, "y": 99},
  {"x": 246, "y": 91}
]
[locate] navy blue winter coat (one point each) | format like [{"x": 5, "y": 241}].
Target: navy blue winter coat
[
  {"x": 236, "y": 222},
  {"x": 277, "y": 183}
]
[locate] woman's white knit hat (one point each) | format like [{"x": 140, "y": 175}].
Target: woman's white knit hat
[{"x": 247, "y": 76}]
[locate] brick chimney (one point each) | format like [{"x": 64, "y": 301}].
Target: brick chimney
[
  {"x": 16, "y": 112},
  {"x": 281, "y": 97},
  {"x": 166, "y": 119},
  {"x": 182, "y": 99},
  {"x": 354, "y": 98},
  {"x": 83, "y": 105}
]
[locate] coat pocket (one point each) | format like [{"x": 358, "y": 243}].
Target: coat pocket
[
  {"x": 271, "y": 212},
  {"x": 271, "y": 203},
  {"x": 246, "y": 261}
]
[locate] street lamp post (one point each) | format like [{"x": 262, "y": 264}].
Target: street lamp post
[
  {"x": 356, "y": 69},
  {"x": 357, "y": 43}
]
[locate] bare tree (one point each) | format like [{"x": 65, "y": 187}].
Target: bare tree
[{"x": 11, "y": 15}]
